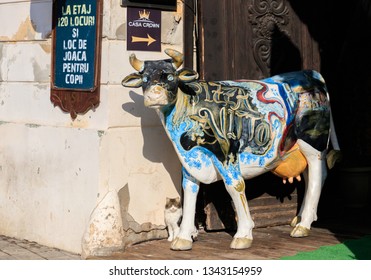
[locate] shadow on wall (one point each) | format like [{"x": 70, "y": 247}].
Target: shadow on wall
[
  {"x": 153, "y": 134},
  {"x": 285, "y": 56},
  {"x": 41, "y": 17}
]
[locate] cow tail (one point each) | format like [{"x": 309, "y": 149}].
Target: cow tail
[{"x": 335, "y": 154}]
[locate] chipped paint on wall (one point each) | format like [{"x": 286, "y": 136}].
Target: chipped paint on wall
[
  {"x": 111, "y": 228},
  {"x": 25, "y": 31},
  {"x": 46, "y": 47},
  {"x": 1, "y": 60},
  {"x": 173, "y": 21},
  {"x": 134, "y": 232}
]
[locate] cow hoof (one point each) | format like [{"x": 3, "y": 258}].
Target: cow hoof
[
  {"x": 180, "y": 244},
  {"x": 300, "y": 231},
  {"x": 241, "y": 243},
  {"x": 295, "y": 221},
  {"x": 195, "y": 235}
]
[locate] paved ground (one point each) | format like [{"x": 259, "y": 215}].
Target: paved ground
[
  {"x": 14, "y": 249},
  {"x": 269, "y": 243}
]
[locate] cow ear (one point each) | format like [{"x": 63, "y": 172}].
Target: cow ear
[
  {"x": 187, "y": 75},
  {"x": 133, "y": 80}
]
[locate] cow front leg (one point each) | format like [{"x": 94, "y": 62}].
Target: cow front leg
[
  {"x": 315, "y": 179},
  {"x": 243, "y": 237},
  {"x": 184, "y": 240}
]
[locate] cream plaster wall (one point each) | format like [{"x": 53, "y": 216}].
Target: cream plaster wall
[{"x": 60, "y": 179}]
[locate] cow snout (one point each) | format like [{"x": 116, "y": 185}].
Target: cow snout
[
  {"x": 157, "y": 89},
  {"x": 155, "y": 96}
]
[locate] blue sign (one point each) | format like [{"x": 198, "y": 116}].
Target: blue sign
[{"x": 75, "y": 44}]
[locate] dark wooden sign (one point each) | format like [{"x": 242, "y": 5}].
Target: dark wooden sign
[
  {"x": 76, "y": 55},
  {"x": 143, "y": 29}
]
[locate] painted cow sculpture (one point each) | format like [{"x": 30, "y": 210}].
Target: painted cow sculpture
[{"x": 236, "y": 130}]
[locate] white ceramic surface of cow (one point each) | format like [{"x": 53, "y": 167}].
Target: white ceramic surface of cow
[{"x": 236, "y": 130}]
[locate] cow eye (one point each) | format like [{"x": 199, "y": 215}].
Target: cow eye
[
  {"x": 170, "y": 77},
  {"x": 145, "y": 79}
]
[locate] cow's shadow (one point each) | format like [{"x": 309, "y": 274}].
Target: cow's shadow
[
  {"x": 266, "y": 190},
  {"x": 152, "y": 136}
]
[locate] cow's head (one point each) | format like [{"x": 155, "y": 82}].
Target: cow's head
[{"x": 159, "y": 79}]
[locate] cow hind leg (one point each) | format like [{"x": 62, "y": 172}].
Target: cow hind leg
[
  {"x": 187, "y": 230},
  {"x": 315, "y": 177},
  {"x": 296, "y": 220},
  {"x": 243, "y": 237}
]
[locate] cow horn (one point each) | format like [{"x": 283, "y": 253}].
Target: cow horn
[
  {"x": 176, "y": 56},
  {"x": 135, "y": 62}
]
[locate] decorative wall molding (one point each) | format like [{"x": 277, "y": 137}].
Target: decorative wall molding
[{"x": 267, "y": 17}]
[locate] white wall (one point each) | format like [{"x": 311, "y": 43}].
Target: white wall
[{"x": 57, "y": 176}]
